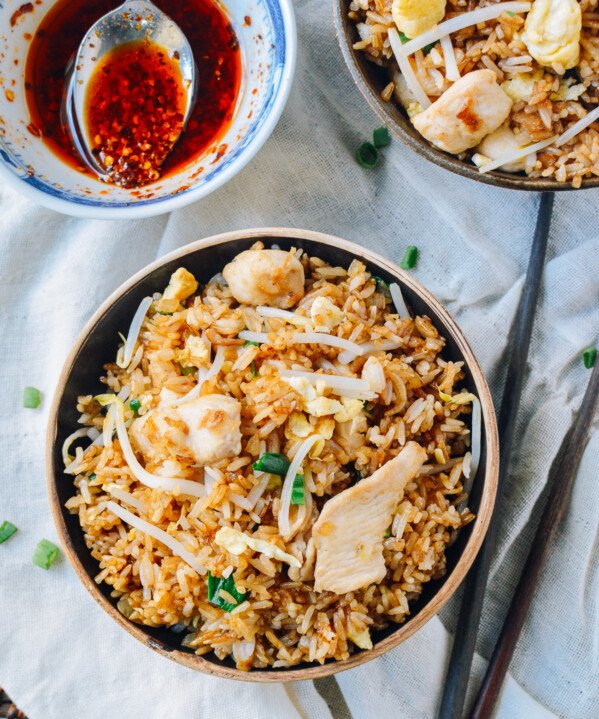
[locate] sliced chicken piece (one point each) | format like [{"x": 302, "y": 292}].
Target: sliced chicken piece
[
  {"x": 266, "y": 277},
  {"x": 348, "y": 535},
  {"x": 501, "y": 142},
  {"x": 472, "y": 108},
  {"x": 213, "y": 423}
]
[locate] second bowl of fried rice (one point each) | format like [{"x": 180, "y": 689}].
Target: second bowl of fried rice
[
  {"x": 506, "y": 93},
  {"x": 272, "y": 455}
]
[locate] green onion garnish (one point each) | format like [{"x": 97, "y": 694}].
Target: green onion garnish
[
  {"x": 382, "y": 286},
  {"x": 589, "y": 357},
  {"x": 387, "y": 533},
  {"x": 410, "y": 259},
  {"x": 170, "y": 314},
  {"x": 253, "y": 369},
  {"x": 187, "y": 370},
  {"x": 381, "y": 137},
  {"x": 7, "y": 529},
  {"x": 298, "y": 495},
  {"x": 510, "y": 13},
  {"x": 135, "y": 404},
  {"x": 273, "y": 463},
  {"x": 45, "y": 554},
  {"x": 92, "y": 476},
  {"x": 367, "y": 155},
  {"x": 32, "y": 398},
  {"x": 215, "y": 584},
  {"x": 249, "y": 343},
  {"x": 404, "y": 39}
]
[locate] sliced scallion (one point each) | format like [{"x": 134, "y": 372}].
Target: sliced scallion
[
  {"x": 410, "y": 259},
  {"x": 32, "y": 398},
  {"x": 273, "y": 463},
  {"x": 387, "y": 533},
  {"x": 253, "y": 369},
  {"x": 381, "y": 137},
  {"x": 45, "y": 554},
  {"x": 187, "y": 370},
  {"x": 135, "y": 404},
  {"x": 215, "y": 584},
  {"x": 7, "y": 529},
  {"x": 589, "y": 357},
  {"x": 405, "y": 39},
  {"x": 249, "y": 343},
  {"x": 367, "y": 155},
  {"x": 298, "y": 494}
]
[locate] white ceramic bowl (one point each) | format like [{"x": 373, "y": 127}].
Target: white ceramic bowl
[{"x": 268, "y": 48}]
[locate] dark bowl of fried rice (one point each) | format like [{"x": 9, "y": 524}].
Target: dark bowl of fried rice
[
  {"x": 546, "y": 136},
  {"x": 211, "y": 470}
]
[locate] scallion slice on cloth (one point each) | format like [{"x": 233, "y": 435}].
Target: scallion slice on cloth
[
  {"x": 381, "y": 137},
  {"x": 589, "y": 357},
  {"x": 273, "y": 463},
  {"x": 410, "y": 259},
  {"x": 32, "y": 398},
  {"x": 7, "y": 529},
  {"x": 216, "y": 584},
  {"x": 298, "y": 495},
  {"x": 45, "y": 554},
  {"x": 367, "y": 155}
]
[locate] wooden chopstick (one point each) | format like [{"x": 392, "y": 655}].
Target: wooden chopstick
[
  {"x": 561, "y": 480},
  {"x": 462, "y": 653}
]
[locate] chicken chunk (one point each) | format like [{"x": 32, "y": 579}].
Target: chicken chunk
[
  {"x": 348, "y": 535},
  {"x": 413, "y": 17},
  {"x": 472, "y": 108},
  {"x": 552, "y": 32},
  {"x": 499, "y": 143},
  {"x": 266, "y": 277},
  {"x": 213, "y": 424},
  {"x": 181, "y": 285}
]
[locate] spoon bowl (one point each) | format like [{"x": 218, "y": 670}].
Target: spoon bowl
[{"x": 133, "y": 21}]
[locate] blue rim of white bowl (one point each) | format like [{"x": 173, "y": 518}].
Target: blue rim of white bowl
[{"x": 35, "y": 189}]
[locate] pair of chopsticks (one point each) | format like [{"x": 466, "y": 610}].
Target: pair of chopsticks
[{"x": 561, "y": 480}]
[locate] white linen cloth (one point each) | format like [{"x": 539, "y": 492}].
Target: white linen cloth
[{"x": 63, "y": 658}]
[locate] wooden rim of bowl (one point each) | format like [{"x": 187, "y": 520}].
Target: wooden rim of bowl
[
  {"x": 452, "y": 581},
  {"x": 403, "y": 130}
]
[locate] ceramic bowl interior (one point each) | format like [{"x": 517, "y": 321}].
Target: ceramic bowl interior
[
  {"x": 97, "y": 345},
  {"x": 371, "y": 80},
  {"x": 267, "y": 46}
]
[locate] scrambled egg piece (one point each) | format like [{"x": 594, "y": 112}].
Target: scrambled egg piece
[
  {"x": 181, "y": 285},
  {"x": 325, "y": 315},
  {"x": 373, "y": 373},
  {"x": 568, "y": 90},
  {"x": 322, "y": 406},
  {"x": 351, "y": 408},
  {"x": 298, "y": 427},
  {"x": 414, "y": 17},
  {"x": 520, "y": 86},
  {"x": 552, "y": 32},
  {"x": 195, "y": 352},
  {"x": 236, "y": 542}
]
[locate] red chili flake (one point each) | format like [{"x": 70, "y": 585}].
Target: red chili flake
[
  {"x": 27, "y": 7},
  {"x": 247, "y": 20},
  {"x": 10, "y": 95},
  {"x": 134, "y": 112}
]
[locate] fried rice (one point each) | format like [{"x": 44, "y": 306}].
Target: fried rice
[
  {"x": 548, "y": 101},
  {"x": 269, "y": 614}
]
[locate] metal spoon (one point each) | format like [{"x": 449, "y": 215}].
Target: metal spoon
[{"x": 132, "y": 21}]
